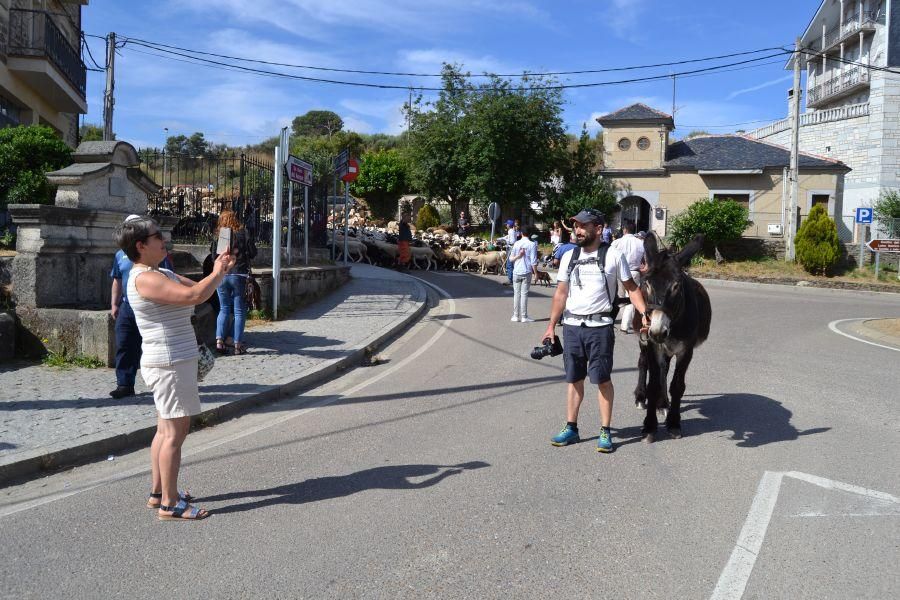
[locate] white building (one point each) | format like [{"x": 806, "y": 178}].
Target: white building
[{"x": 852, "y": 105}]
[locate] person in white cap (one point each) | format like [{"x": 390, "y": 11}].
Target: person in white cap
[{"x": 128, "y": 338}]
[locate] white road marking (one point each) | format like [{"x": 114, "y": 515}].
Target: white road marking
[
  {"x": 833, "y": 326},
  {"x": 186, "y": 452},
  {"x": 733, "y": 580}
]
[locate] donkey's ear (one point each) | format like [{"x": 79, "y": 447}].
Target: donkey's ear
[
  {"x": 687, "y": 253},
  {"x": 651, "y": 250}
]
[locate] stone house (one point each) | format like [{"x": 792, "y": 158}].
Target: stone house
[
  {"x": 659, "y": 178},
  {"x": 852, "y": 106},
  {"x": 42, "y": 77}
]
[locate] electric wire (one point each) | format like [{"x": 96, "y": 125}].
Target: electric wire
[{"x": 161, "y": 46}]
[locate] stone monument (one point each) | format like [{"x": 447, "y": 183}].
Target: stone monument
[{"x": 60, "y": 274}]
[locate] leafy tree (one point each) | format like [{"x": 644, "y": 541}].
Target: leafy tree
[
  {"x": 317, "y": 122},
  {"x": 90, "y": 132},
  {"x": 886, "y": 209},
  {"x": 26, "y": 154},
  {"x": 718, "y": 220},
  {"x": 193, "y": 146},
  {"x": 696, "y": 133},
  {"x": 373, "y": 142},
  {"x": 817, "y": 245},
  {"x": 490, "y": 142},
  {"x": 428, "y": 217},
  {"x": 382, "y": 180},
  {"x": 578, "y": 183}
]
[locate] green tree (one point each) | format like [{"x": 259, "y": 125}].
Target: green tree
[
  {"x": 90, "y": 132},
  {"x": 495, "y": 141},
  {"x": 382, "y": 180},
  {"x": 696, "y": 133},
  {"x": 817, "y": 246},
  {"x": 428, "y": 217},
  {"x": 577, "y": 183},
  {"x": 317, "y": 122},
  {"x": 26, "y": 154},
  {"x": 886, "y": 209},
  {"x": 718, "y": 220}
]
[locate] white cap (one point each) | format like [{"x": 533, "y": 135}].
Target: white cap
[{"x": 131, "y": 218}]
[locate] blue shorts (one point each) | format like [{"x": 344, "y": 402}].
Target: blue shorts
[{"x": 588, "y": 351}]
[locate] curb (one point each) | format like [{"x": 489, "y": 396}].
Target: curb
[
  {"x": 141, "y": 434},
  {"x": 806, "y": 289}
]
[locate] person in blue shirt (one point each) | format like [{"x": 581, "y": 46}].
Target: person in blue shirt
[
  {"x": 562, "y": 249},
  {"x": 128, "y": 338}
]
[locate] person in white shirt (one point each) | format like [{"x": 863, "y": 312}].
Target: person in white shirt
[
  {"x": 632, "y": 248},
  {"x": 583, "y": 301},
  {"x": 524, "y": 258},
  {"x": 512, "y": 234}
]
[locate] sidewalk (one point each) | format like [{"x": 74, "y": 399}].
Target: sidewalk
[{"x": 51, "y": 417}]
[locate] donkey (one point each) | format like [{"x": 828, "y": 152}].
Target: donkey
[{"x": 680, "y": 319}]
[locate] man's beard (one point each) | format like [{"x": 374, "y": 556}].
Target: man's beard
[{"x": 587, "y": 240}]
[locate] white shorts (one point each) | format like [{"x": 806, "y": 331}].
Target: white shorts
[{"x": 175, "y": 390}]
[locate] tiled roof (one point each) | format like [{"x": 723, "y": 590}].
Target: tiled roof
[
  {"x": 735, "y": 152},
  {"x": 635, "y": 112}
]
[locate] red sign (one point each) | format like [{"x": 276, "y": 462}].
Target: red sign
[
  {"x": 884, "y": 245},
  {"x": 352, "y": 171}
]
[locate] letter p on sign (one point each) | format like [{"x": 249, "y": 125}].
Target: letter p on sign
[{"x": 863, "y": 215}]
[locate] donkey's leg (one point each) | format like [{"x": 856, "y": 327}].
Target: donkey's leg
[
  {"x": 655, "y": 389},
  {"x": 662, "y": 403},
  {"x": 640, "y": 392},
  {"x": 676, "y": 391}
]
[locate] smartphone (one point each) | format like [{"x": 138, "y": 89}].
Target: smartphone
[{"x": 224, "y": 244}]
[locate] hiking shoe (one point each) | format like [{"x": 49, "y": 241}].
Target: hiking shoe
[
  {"x": 565, "y": 437},
  {"x": 122, "y": 392},
  {"x": 526, "y": 320},
  {"x": 604, "y": 441}
]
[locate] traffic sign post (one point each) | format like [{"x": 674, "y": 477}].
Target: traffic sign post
[
  {"x": 879, "y": 246},
  {"x": 863, "y": 217},
  {"x": 493, "y": 215}
]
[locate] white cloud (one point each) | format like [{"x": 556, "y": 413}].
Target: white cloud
[
  {"x": 387, "y": 112},
  {"x": 623, "y": 17},
  {"x": 431, "y": 60},
  {"x": 352, "y": 123},
  {"x": 753, "y": 88}
]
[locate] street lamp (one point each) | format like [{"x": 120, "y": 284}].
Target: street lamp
[{"x": 165, "y": 141}]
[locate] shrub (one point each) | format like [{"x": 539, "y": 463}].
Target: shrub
[
  {"x": 718, "y": 220},
  {"x": 817, "y": 246},
  {"x": 26, "y": 154},
  {"x": 886, "y": 210},
  {"x": 428, "y": 217}
]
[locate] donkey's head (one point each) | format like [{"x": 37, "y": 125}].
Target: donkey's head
[{"x": 664, "y": 284}]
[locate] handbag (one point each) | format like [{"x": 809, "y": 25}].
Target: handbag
[
  {"x": 205, "y": 362},
  {"x": 252, "y": 293}
]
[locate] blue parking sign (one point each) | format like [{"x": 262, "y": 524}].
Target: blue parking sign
[{"x": 863, "y": 215}]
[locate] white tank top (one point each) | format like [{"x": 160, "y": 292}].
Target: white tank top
[{"x": 168, "y": 336}]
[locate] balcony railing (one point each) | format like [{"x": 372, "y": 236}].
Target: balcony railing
[
  {"x": 851, "y": 26},
  {"x": 839, "y": 85},
  {"x": 33, "y": 33},
  {"x": 839, "y": 113}
]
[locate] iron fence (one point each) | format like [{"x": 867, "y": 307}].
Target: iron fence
[{"x": 196, "y": 189}]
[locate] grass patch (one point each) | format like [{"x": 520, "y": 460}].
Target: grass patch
[
  {"x": 768, "y": 268},
  {"x": 63, "y": 361}
]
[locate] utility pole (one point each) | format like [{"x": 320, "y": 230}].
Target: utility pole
[
  {"x": 108, "y": 100},
  {"x": 795, "y": 158}
]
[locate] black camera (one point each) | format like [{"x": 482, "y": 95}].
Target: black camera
[{"x": 551, "y": 347}]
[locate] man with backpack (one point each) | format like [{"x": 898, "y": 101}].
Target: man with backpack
[{"x": 585, "y": 304}]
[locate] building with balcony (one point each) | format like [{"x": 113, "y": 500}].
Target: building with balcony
[
  {"x": 851, "y": 101},
  {"x": 42, "y": 76}
]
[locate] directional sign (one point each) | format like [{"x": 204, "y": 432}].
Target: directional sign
[
  {"x": 863, "y": 215},
  {"x": 299, "y": 171},
  {"x": 340, "y": 162},
  {"x": 352, "y": 171},
  {"x": 884, "y": 245}
]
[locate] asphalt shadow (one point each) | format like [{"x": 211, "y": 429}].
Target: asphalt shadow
[
  {"x": 751, "y": 420},
  {"x": 396, "y": 477}
]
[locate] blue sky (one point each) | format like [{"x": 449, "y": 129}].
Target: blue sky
[{"x": 504, "y": 36}]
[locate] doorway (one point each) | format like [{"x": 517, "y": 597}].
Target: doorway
[{"x": 636, "y": 209}]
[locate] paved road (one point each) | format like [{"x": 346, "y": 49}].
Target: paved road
[{"x": 431, "y": 475}]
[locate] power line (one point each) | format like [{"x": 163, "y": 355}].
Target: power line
[
  {"x": 161, "y": 46},
  {"x": 206, "y": 61}
]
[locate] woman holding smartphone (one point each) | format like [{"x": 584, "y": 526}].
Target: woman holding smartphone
[
  {"x": 232, "y": 301},
  {"x": 163, "y": 303}
]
